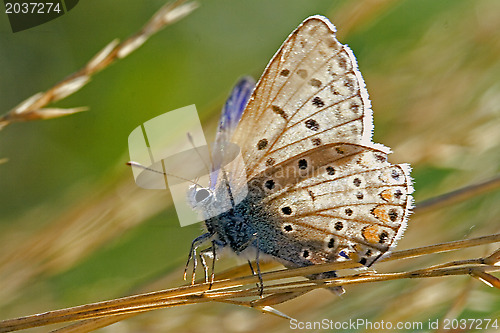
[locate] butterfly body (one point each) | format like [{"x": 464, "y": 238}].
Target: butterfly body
[{"x": 314, "y": 188}]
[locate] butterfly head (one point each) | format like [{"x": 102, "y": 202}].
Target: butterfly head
[{"x": 199, "y": 196}]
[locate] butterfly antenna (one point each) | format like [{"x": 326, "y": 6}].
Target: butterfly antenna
[
  {"x": 190, "y": 138},
  {"x": 140, "y": 166}
]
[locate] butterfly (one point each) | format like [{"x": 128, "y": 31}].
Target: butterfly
[{"x": 313, "y": 188}]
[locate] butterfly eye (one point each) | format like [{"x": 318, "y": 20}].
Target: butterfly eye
[{"x": 201, "y": 195}]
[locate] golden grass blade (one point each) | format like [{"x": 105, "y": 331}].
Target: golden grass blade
[
  {"x": 33, "y": 108},
  {"x": 224, "y": 290}
]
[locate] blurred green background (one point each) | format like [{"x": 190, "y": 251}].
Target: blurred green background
[{"x": 74, "y": 228}]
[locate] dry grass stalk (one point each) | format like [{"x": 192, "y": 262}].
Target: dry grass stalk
[
  {"x": 34, "y": 107},
  {"x": 233, "y": 289},
  {"x": 458, "y": 195}
]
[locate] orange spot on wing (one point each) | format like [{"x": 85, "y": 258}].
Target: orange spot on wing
[
  {"x": 380, "y": 212},
  {"x": 387, "y": 195},
  {"x": 371, "y": 233}
]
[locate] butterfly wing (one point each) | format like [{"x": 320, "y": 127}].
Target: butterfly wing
[
  {"x": 230, "y": 117},
  {"x": 337, "y": 202},
  {"x": 232, "y": 111},
  {"x": 327, "y": 190},
  {"x": 310, "y": 94},
  {"x": 234, "y": 106}
]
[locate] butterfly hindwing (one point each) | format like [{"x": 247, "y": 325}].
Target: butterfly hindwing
[{"x": 341, "y": 201}]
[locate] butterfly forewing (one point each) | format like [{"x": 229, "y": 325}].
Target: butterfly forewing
[{"x": 311, "y": 94}]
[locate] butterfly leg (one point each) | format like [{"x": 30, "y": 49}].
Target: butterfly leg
[
  {"x": 259, "y": 274},
  {"x": 197, "y": 242},
  {"x": 260, "y": 285},
  {"x": 209, "y": 252},
  {"x": 212, "y": 275},
  {"x": 204, "y": 263}
]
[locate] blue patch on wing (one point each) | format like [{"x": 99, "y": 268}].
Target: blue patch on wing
[
  {"x": 235, "y": 104},
  {"x": 230, "y": 117}
]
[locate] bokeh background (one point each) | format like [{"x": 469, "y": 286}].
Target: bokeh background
[{"x": 75, "y": 229}]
